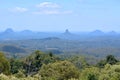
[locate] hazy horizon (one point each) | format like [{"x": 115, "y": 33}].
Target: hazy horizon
[
  {"x": 60, "y": 31},
  {"x": 54, "y": 15}
]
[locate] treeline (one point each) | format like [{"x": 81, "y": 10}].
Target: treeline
[{"x": 42, "y": 66}]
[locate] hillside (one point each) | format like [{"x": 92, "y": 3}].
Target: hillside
[{"x": 98, "y": 46}]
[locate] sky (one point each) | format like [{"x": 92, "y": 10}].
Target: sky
[{"x": 58, "y": 15}]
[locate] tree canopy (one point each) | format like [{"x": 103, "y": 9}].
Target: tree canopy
[{"x": 4, "y": 64}]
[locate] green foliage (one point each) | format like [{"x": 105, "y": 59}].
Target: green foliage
[
  {"x": 110, "y": 59},
  {"x": 78, "y": 61},
  {"x": 91, "y": 73},
  {"x": 61, "y": 70},
  {"x": 4, "y": 64},
  {"x": 101, "y": 64},
  {"x": 95, "y": 46},
  {"x": 33, "y": 63},
  {"x": 41, "y": 66},
  {"x": 92, "y": 77},
  {"x": 15, "y": 65},
  {"x": 20, "y": 74},
  {"x": 13, "y": 49},
  {"x": 4, "y": 77},
  {"x": 12, "y": 77},
  {"x": 110, "y": 72}
]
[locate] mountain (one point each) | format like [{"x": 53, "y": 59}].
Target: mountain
[
  {"x": 27, "y": 32},
  {"x": 10, "y": 34},
  {"x": 67, "y": 32},
  {"x": 68, "y": 35},
  {"x": 7, "y": 34},
  {"x": 8, "y": 31},
  {"x": 97, "y": 32},
  {"x": 112, "y": 33}
]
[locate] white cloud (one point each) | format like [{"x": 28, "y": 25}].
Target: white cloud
[
  {"x": 50, "y": 8},
  {"x": 48, "y": 5},
  {"x": 49, "y": 12},
  {"x": 19, "y": 9}
]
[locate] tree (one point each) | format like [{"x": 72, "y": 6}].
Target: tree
[
  {"x": 61, "y": 70},
  {"x": 91, "y": 73},
  {"x": 4, "y": 64},
  {"x": 92, "y": 77},
  {"x": 110, "y": 72},
  {"x": 33, "y": 63},
  {"x": 15, "y": 65},
  {"x": 101, "y": 63},
  {"x": 79, "y": 61},
  {"x": 110, "y": 59}
]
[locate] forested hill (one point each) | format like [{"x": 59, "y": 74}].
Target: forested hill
[{"x": 97, "y": 46}]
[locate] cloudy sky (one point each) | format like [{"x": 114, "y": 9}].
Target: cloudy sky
[{"x": 58, "y": 15}]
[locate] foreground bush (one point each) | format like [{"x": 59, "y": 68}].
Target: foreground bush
[
  {"x": 4, "y": 64},
  {"x": 4, "y": 77},
  {"x": 61, "y": 70},
  {"x": 91, "y": 73}
]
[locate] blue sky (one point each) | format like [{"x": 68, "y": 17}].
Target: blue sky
[{"x": 58, "y": 15}]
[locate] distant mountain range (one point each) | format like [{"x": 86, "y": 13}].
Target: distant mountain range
[
  {"x": 10, "y": 34},
  {"x": 97, "y": 32}
]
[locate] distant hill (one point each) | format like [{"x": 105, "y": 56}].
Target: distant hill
[
  {"x": 67, "y": 32},
  {"x": 97, "y": 32},
  {"x": 10, "y": 34},
  {"x": 112, "y": 33},
  {"x": 12, "y": 49},
  {"x": 51, "y": 38},
  {"x": 27, "y": 32},
  {"x": 68, "y": 35},
  {"x": 8, "y": 31},
  {"x": 98, "y": 46}
]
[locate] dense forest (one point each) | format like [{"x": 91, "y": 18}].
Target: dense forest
[
  {"x": 47, "y": 66},
  {"x": 96, "y": 46}
]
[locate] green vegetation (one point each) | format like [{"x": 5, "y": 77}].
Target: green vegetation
[
  {"x": 95, "y": 46},
  {"x": 4, "y": 64},
  {"x": 47, "y": 66},
  {"x": 13, "y": 49},
  {"x": 61, "y": 70},
  {"x": 110, "y": 59}
]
